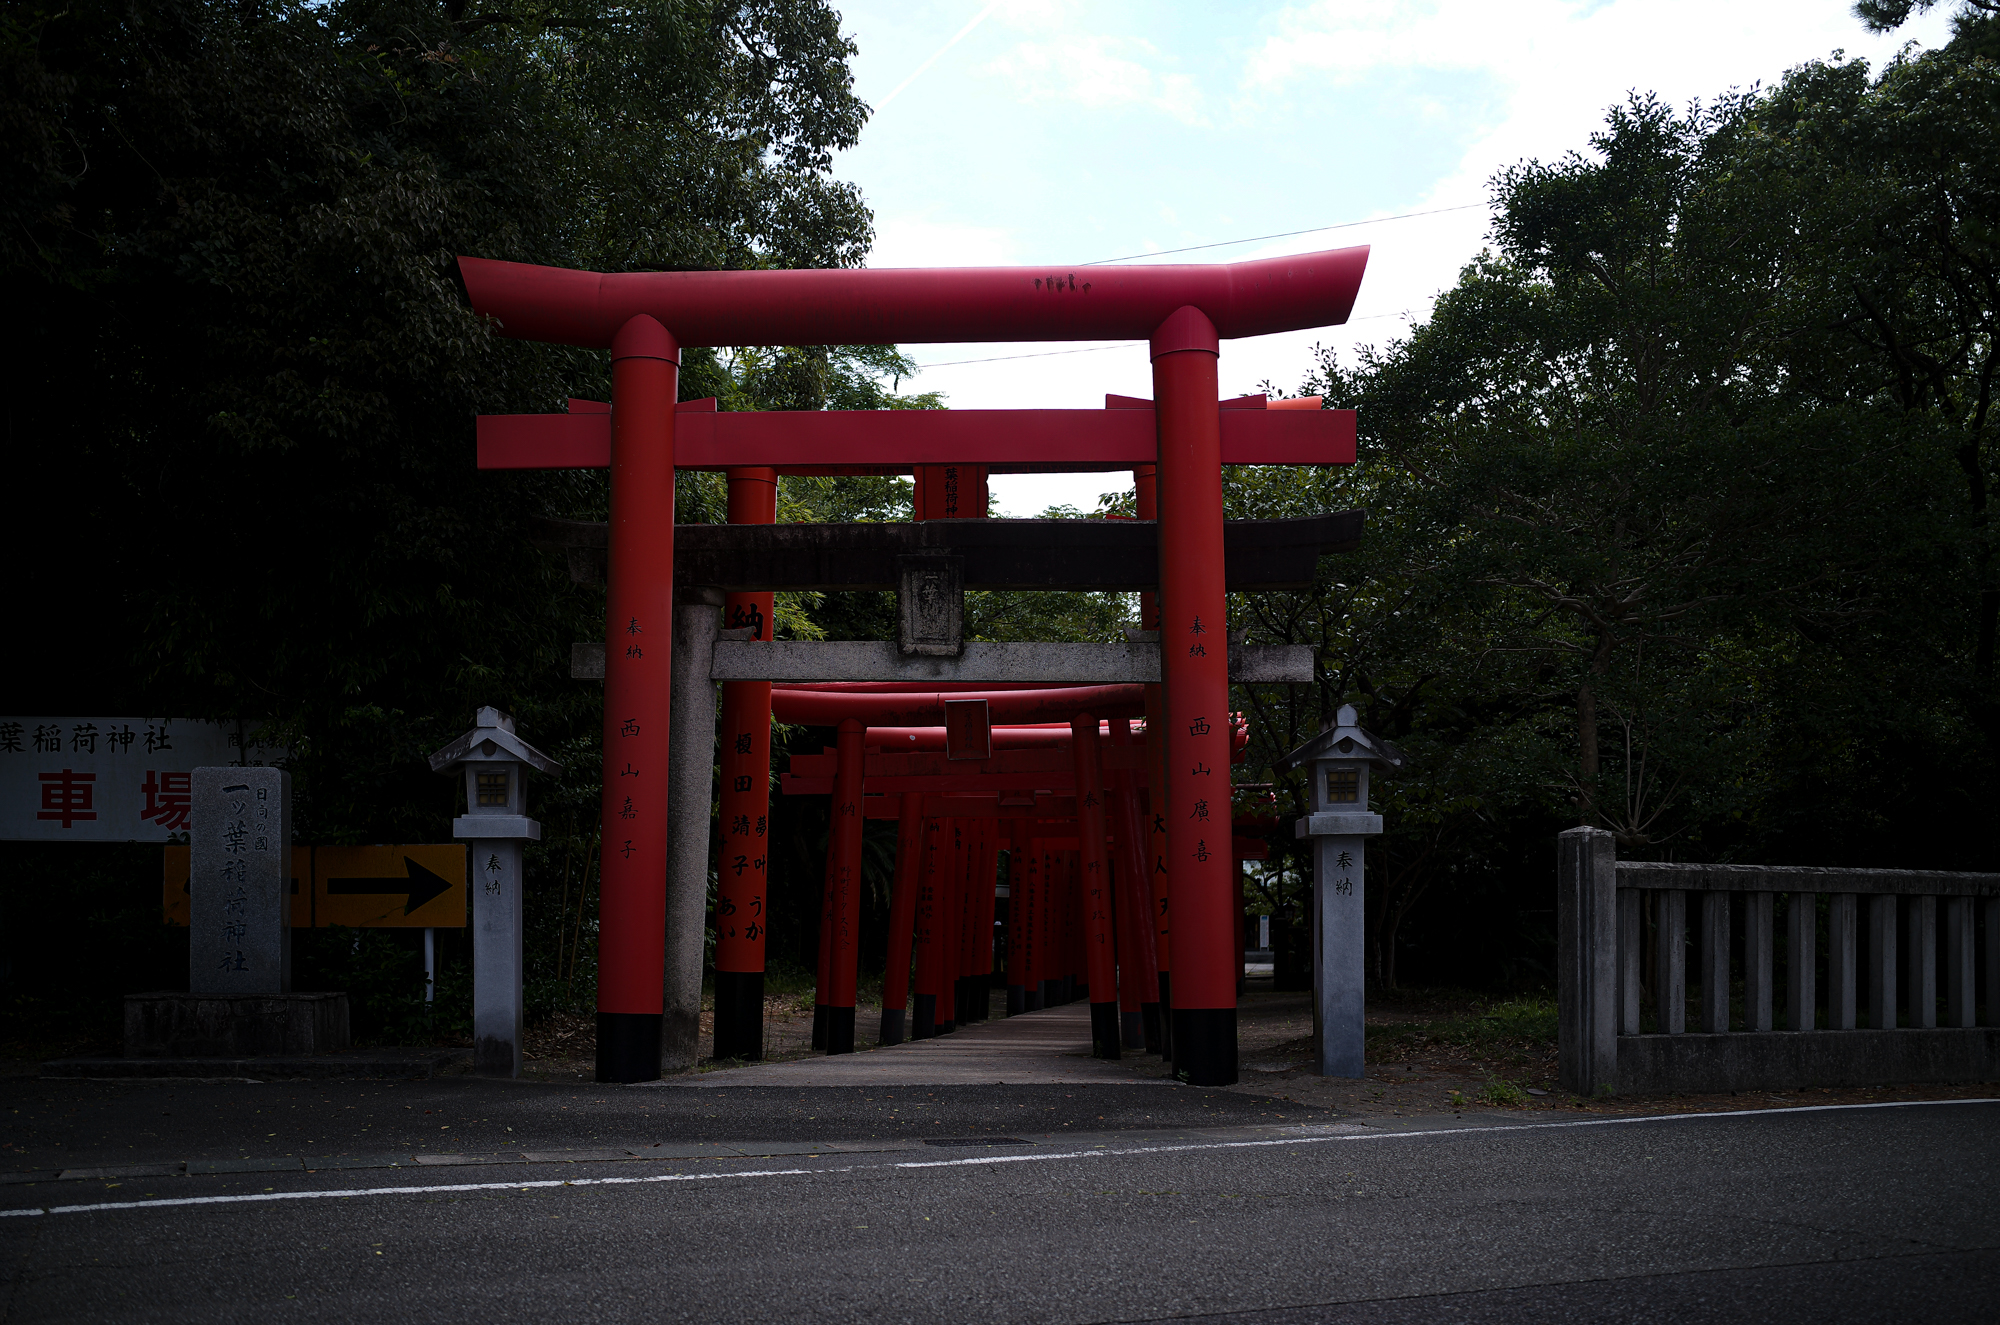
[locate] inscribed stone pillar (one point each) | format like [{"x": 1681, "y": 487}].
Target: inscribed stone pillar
[
  {"x": 499, "y": 1019},
  {"x": 697, "y": 617},
  {"x": 240, "y": 882}
]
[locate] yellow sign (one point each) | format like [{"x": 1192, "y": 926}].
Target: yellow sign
[
  {"x": 364, "y": 887},
  {"x": 419, "y": 886},
  {"x": 174, "y": 887}
]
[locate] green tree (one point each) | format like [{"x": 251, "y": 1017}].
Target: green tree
[{"x": 242, "y": 419}]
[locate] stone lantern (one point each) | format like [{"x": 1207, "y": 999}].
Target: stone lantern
[
  {"x": 496, "y": 824},
  {"x": 1341, "y": 761}
]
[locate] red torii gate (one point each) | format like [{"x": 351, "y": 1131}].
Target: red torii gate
[
  {"x": 1060, "y": 769},
  {"x": 646, "y": 318}
]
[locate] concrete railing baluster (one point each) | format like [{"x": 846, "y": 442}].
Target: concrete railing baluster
[
  {"x": 1715, "y": 962},
  {"x": 1801, "y": 933},
  {"x": 1672, "y": 1013},
  {"x": 1920, "y": 962},
  {"x": 1882, "y": 961},
  {"x": 1843, "y": 920},
  {"x": 1960, "y": 1009},
  {"x": 1759, "y": 939},
  {"x": 1630, "y": 954},
  {"x": 1992, "y": 961}
]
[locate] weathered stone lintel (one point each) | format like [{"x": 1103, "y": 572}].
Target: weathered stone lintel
[
  {"x": 1791, "y": 1060},
  {"x": 1051, "y": 664}
]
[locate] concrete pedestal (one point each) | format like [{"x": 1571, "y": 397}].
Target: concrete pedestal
[{"x": 174, "y": 1025}]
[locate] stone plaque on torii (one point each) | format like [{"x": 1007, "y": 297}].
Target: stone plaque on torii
[{"x": 645, "y": 319}]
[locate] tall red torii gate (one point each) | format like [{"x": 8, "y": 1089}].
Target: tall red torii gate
[{"x": 646, "y": 318}]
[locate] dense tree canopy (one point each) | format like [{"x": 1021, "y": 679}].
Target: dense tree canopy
[{"x": 1680, "y": 505}]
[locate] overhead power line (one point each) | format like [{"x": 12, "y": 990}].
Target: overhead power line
[
  {"x": 1095, "y": 349},
  {"x": 1289, "y": 234}
]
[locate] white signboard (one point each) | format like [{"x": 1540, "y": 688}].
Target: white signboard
[{"x": 112, "y": 779}]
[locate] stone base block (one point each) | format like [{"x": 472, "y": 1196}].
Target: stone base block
[
  {"x": 1788, "y": 1060},
  {"x": 173, "y": 1025}
]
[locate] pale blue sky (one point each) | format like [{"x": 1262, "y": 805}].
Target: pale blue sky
[{"x": 1067, "y": 133}]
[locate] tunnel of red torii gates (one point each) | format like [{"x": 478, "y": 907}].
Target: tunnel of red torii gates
[
  {"x": 1178, "y": 441},
  {"x": 955, "y": 815}
]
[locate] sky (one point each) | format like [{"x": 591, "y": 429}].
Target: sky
[{"x": 1038, "y": 132}]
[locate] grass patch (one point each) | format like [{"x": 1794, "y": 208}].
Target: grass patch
[{"x": 1522, "y": 1025}]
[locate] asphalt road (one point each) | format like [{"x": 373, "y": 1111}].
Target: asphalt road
[
  {"x": 49, "y": 1125},
  {"x": 1856, "y": 1214}
]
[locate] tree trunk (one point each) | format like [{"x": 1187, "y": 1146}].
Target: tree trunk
[{"x": 1586, "y": 732}]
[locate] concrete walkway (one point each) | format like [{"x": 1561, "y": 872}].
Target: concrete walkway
[{"x": 1047, "y": 1048}]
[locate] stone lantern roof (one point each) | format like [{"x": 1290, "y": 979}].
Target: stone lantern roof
[
  {"x": 1343, "y": 738},
  {"x": 492, "y": 740}
]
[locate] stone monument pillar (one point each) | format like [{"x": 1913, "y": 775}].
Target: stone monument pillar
[
  {"x": 1339, "y": 762},
  {"x": 496, "y": 826},
  {"x": 239, "y": 1002},
  {"x": 240, "y": 882},
  {"x": 691, "y": 778}
]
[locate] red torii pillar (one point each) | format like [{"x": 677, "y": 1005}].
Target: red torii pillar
[
  {"x": 1100, "y": 957},
  {"x": 742, "y": 913},
  {"x": 929, "y": 933},
  {"x": 840, "y": 910},
  {"x": 1145, "y": 490},
  {"x": 902, "y": 917},
  {"x": 638, "y": 677},
  {"x": 1194, "y": 669},
  {"x": 1138, "y": 961}
]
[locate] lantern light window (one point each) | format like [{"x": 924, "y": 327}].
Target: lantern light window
[
  {"x": 493, "y": 788},
  {"x": 1343, "y": 785}
]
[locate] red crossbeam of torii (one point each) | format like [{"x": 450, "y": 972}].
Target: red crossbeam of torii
[{"x": 646, "y": 318}]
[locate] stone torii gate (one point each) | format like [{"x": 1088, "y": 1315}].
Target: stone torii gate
[{"x": 646, "y": 318}]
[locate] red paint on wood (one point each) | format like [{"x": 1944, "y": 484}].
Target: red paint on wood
[
  {"x": 1194, "y": 662},
  {"x": 843, "y": 867},
  {"x": 884, "y": 306},
  {"x": 742, "y": 913},
  {"x": 903, "y": 901},
  {"x": 1100, "y": 952},
  {"x": 637, "y": 673}
]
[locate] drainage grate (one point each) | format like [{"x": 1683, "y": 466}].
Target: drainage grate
[{"x": 974, "y": 1141}]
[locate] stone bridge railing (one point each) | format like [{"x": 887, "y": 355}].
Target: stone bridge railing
[{"x": 1623, "y": 952}]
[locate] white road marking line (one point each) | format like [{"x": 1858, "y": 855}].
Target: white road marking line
[
  {"x": 418, "y": 1191},
  {"x": 961, "y": 1163}
]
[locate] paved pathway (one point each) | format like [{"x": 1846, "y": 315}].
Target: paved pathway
[{"x": 1047, "y": 1048}]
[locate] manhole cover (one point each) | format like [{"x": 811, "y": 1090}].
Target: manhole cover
[{"x": 974, "y": 1141}]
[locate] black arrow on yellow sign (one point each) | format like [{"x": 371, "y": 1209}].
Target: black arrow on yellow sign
[{"x": 421, "y": 886}]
